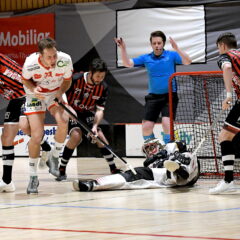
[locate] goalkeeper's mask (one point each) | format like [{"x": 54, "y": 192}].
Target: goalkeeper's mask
[{"x": 152, "y": 147}]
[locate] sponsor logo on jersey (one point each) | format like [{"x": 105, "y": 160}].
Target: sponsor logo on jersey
[
  {"x": 86, "y": 95},
  {"x": 33, "y": 68},
  {"x": 78, "y": 90},
  {"x": 59, "y": 74},
  {"x": 7, "y": 93},
  {"x": 48, "y": 74},
  {"x": 11, "y": 74},
  {"x": 62, "y": 63},
  {"x": 95, "y": 97},
  {"x": 37, "y": 76},
  {"x": 76, "y": 102}
]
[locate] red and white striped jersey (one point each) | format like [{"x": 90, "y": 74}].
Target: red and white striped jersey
[
  {"x": 83, "y": 96},
  {"x": 233, "y": 57},
  {"x": 10, "y": 78}
]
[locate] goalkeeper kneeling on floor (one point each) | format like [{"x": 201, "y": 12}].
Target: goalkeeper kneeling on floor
[{"x": 171, "y": 165}]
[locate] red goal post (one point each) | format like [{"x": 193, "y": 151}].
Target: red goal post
[{"x": 200, "y": 101}]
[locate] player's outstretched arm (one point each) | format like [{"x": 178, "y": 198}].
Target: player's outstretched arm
[
  {"x": 186, "y": 60},
  {"x": 127, "y": 62}
]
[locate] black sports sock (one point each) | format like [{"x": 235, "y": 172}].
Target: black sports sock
[
  {"x": 8, "y": 158},
  {"x": 228, "y": 158},
  {"x": 109, "y": 158},
  {"x": 67, "y": 154}
]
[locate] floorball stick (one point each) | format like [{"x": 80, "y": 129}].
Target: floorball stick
[{"x": 96, "y": 137}]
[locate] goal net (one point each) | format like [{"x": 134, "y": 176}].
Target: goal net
[{"x": 200, "y": 101}]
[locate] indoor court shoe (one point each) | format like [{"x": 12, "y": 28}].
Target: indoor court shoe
[
  {"x": 61, "y": 178},
  {"x": 222, "y": 187},
  {"x": 43, "y": 160},
  {"x": 83, "y": 186},
  {"x": 52, "y": 163},
  {"x": 171, "y": 166},
  {"x": 33, "y": 185},
  {"x": 4, "y": 187}
]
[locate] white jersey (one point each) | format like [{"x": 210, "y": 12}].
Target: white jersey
[
  {"x": 174, "y": 180},
  {"x": 49, "y": 79}
]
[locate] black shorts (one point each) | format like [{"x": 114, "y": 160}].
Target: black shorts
[
  {"x": 232, "y": 122},
  {"x": 14, "y": 110},
  {"x": 159, "y": 103},
  {"x": 85, "y": 117}
]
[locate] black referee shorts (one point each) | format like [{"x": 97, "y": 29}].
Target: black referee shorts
[{"x": 159, "y": 103}]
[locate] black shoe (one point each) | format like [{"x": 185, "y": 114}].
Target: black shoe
[
  {"x": 61, "y": 178},
  {"x": 83, "y": 186},
  {"x": 116, "y": 171}
]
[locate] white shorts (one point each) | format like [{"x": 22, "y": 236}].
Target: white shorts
[{"x": 34, "y": 105}]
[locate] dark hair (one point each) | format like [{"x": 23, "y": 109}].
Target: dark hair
[
  {"x": 158, "y": 34},
  {"x": 97, "y": 65},
  {"x": 227, "y": 38},
  {"x": 46, "y": 43}
]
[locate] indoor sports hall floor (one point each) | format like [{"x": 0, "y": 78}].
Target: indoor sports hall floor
[{"x": 58, "y": 212}]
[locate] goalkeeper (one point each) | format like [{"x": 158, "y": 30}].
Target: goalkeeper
[{"x": 168, "y": 166}]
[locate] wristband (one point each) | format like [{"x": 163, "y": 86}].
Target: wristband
[{"x": 229, "y": 95}]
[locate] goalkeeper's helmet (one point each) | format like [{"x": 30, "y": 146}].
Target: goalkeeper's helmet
[{"x": 152, "y": 146}]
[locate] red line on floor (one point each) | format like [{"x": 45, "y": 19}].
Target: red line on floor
[{"x": 115, "y": 233}]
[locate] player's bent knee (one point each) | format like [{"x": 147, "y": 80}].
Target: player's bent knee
[
  {"x": 225, "y": 136},
  {"x": 76, "y": 137}
]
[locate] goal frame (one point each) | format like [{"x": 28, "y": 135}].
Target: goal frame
[
  {"x": 170, "y": 91},
  {"x": 172, "y": 135}
]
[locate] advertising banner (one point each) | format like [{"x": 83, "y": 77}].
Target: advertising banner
[
  {"x": 21, "y": 141},
  {"x": 19, "y": 35}
]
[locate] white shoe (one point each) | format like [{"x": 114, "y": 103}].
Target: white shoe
[
  {"x": 44, "y": 158},
  {"x": 4, "y": 187},
  {"x": 171, "y": 166},
  {"x": 222, "y": 187},
  {"x": 75, "y": 185},
  {"x": 33, "y": 185}
]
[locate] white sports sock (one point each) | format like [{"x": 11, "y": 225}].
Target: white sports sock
[
  {"x": 57, "y": 149},
  {"x": 33, "y": 163}
]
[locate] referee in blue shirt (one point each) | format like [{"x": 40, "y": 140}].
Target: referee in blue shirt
[{"x": 160, "y": 65}]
